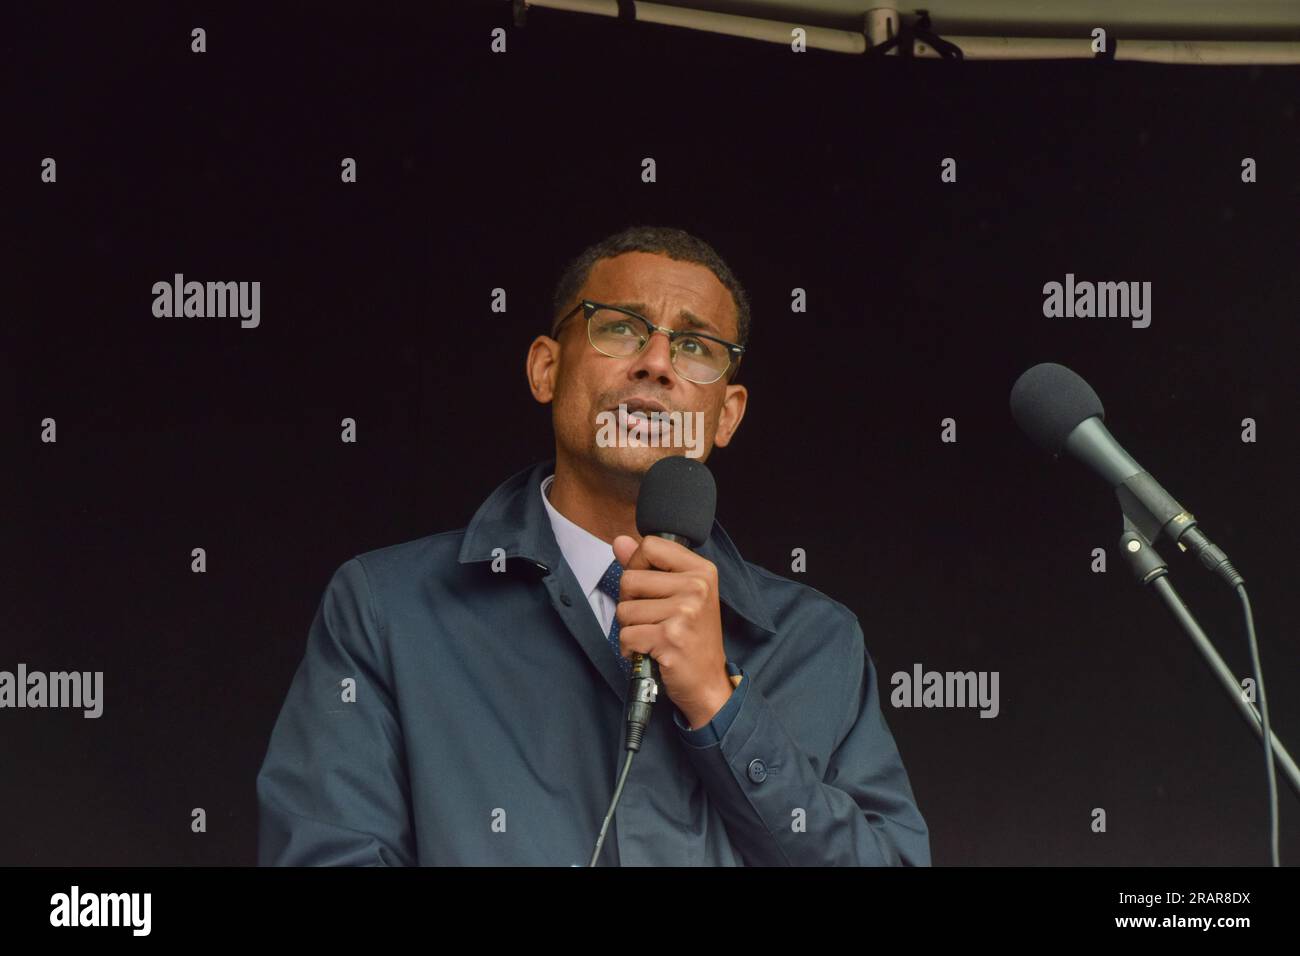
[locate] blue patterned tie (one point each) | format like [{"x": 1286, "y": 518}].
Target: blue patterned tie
[{"x": 609, "y": 583}]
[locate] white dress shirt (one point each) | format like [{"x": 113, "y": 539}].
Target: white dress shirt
[{"x": 587, "y": 556}]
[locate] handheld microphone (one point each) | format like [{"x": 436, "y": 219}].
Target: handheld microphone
[
  {"x": 1060, "y": 412},
  {"x": 677, "y": 501}
]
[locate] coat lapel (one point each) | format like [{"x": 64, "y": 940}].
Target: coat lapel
[{"x": 582, "y": 624}]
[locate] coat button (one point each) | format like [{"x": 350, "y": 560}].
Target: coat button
[
  {"x": 757, "y": 770},
  {"x": 565, "y": 600}
]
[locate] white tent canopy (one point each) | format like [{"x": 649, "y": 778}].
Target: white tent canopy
[{"x": 1205, "y": 32}]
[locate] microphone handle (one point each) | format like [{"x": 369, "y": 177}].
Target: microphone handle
[
  {"x": 643, "y": 685},
  {"x": 1153, "y": 510}
]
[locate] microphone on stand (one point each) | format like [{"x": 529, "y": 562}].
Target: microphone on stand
[{"x": 1060, "y": 412}]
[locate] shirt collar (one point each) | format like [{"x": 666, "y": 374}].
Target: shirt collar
[
  {"x": 514, "y": 518},
  {"x": 588, "y": 556}
]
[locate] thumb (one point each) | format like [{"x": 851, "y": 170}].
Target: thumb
[{"x": 624, "y": 547}]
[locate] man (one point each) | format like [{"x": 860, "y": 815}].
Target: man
[{"x": 461, "y": 699}]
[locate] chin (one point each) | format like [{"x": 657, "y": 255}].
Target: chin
[{"x": 631, "y": 462}]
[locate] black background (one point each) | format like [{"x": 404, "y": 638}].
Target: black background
[{"x": 479, "y": 171}]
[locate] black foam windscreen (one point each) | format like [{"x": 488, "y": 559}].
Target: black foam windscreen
[
  {"x": 1048, "y": 401},
  {"x": 678, "y": 496}
]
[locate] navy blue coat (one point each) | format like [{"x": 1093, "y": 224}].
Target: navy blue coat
[{"x": 487, "y": 721}]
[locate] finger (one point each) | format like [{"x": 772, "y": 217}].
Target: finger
[
  {"x": 649, "y": 584},
  {"x": 631, "y": 613},
  {"x": 624, "y": 547},
  {"x": 640, "y": 639},
  {"x": 637, "y": 559},
  {"x": 665, "y": 555}
]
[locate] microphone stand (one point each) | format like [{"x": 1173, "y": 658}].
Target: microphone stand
[{"x": 1151, "y": 569}]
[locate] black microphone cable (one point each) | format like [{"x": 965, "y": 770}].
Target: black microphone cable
[
  {"x": 643, "y": 689},
  {"x": 1263, "y": 714}
]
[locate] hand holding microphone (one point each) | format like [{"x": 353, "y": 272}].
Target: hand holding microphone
[
  {"x": 670, "y": 618},
  {"x": 668, "y": 606},
  {"x": 669, "y": 611}
]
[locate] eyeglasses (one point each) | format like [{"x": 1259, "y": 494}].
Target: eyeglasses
[{"x": 621, "y": 333}]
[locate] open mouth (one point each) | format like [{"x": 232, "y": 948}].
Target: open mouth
[
  {"x": 644, "y": 417},
  {"x": 640, "y": 405}
]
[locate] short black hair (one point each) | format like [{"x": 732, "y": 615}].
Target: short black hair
[{"x": 674, "y": 243}]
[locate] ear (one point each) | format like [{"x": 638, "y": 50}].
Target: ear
[
  {"x": 733, "y": 410},
  {"x": 542, "y": 366}
]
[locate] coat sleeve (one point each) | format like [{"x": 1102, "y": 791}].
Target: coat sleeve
[
  {"x": 858, "y": 812},
  {"x": 332, "y": 790}
]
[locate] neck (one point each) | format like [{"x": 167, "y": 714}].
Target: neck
[{"x": 595, "y": 501}]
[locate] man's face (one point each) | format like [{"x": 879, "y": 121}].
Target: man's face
[{"x": 582, "y": 382}]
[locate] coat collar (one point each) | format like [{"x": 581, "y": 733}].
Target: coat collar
[{"x": 514, "y": 519}]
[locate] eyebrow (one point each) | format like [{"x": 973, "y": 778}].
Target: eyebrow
[{"x": 690, "y": 318}]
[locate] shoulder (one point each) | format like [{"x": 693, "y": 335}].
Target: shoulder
[
  {"x": 784, "y": 596},
  {"x": 397, "y": 571},
  {"x": 416, "y": 557},
  {"x": 817, "y": 624}
]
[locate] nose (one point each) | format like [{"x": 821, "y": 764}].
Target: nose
[{"x": 654, "y": 361}]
